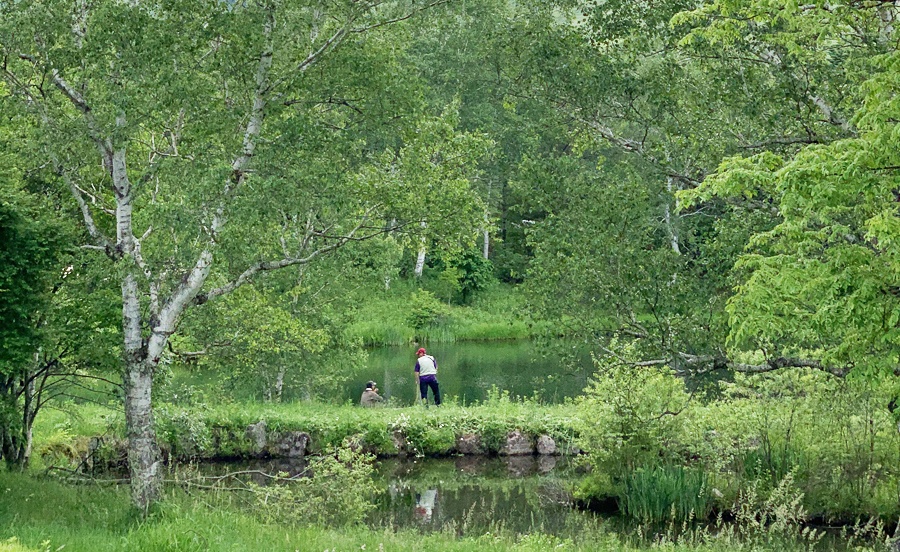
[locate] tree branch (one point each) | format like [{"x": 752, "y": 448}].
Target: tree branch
[
  {"x": 771, "y": 365},
  {"x": 264, "y": 266},
  {"x": 332, "y": 42},
  {"x": 401, "y": 18},
  {"x": 101, "y": 240}
]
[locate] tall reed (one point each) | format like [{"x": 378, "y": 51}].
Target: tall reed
[{"x": 665, "y": 493}]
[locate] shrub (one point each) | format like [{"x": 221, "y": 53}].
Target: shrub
[
  {"x": 186, "y": 433},
  {"x": 424, "y": 309},
  {"x": 633, "y": 416},
  {"x": 335, "y": 490}
]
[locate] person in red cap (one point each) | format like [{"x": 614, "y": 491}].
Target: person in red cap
[{"x": 426, "y": 376}]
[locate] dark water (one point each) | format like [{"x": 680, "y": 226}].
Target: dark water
[
  {"x": 474, "y": 496},
  {"x": 465, "y": 495},
  {"x": 477, "y": 495},
  {"x": 469, "y": 371}
]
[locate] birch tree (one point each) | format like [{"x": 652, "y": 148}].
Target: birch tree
[{"x": 205, "y": 144}]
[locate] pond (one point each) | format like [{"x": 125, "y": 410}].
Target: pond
[
  {"x": 467, "y": 495},
  {"x": 469, "y": 371},
  {"x": 478, "y": 495}
]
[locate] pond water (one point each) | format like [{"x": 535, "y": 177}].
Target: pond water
[
  {"x": 468, "y": 371},
  {"x": 468, "y": 495},
  {"x": 477, "y": 495}
]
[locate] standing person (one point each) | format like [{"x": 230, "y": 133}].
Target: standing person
[
  {"x": 426, "y": 376},
  {"x": 370, "y": 396}
]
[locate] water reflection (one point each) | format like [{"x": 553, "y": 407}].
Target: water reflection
[
  {"x": 475, "y": 495},
  {"x": 471, "y": 495},
  {"x": 425, "y": 505}
]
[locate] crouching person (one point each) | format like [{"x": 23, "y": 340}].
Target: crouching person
[{"x": 370, "y": 396}]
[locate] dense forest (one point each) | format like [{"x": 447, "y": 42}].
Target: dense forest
[{"x": 704, "y": 196}]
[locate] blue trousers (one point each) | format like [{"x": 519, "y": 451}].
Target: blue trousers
[{"x": 435, "y": 390}]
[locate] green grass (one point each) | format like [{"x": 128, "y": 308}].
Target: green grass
[
  {"x": 219, "y": 430},
  {"x": 663, "y": 493},
  {"x": 495, "y": 314}
]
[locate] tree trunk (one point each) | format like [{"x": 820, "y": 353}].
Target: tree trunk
[
  {"x": 420, "y": 260},
  {"x": 29, "y": 412},
  {"x": 143, "y": 451},
  {"x": 673, "y": 234},
  {"x": 486, "y": 246},
  {"x": 16, "y": 420},
  {"x": 279, "y": 384}
]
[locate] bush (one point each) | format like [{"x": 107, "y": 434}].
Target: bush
[
  {"x": 632, "y": 416},
  {"x": 335, "y": 490},
  {"x": 424, "y": 309},
  {"x": 183, "y": 431}
]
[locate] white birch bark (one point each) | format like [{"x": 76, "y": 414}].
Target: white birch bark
[
  {"x": 279, "y": 384},
  {"x": 673, "y": 233},
  {"x": 420, "y": 258}
]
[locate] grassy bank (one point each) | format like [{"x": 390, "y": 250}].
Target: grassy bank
[
  {"x": 206, "y": 431},
  {"x": 405, "y": 314}
]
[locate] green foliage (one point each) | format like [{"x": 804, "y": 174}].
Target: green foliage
[
  {"x": 424, "y": 309},
  {"x": 633, "y": 415},
  {"x": 833, "y": 438},
  {"x": 336, "y": 491},
  {"x": 818, "y": 283},
  {"x": 458, "y": 279},
  {"x": 495, "y": 313},
  {"x": 666, "y": 493},
  {"x": 32, "y": 246},
  {"x": 186, "y": 434}
]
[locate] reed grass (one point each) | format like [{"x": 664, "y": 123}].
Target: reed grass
[
  {"x": 665, "y": 493},
  {"x": 496, "y": 314}
]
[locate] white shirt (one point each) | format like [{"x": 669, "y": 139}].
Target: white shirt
[{"x": 427, "y": 365}]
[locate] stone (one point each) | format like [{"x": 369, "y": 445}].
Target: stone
[
  {"x": 469, "y": 443},
  {"x": 400, "y": 443},
  {"x": 546, "y": 445},
  {"x": 546, "y": 464},
  {"x": 291, "y": 444},
  {"x": 256, "y": 434},
  {"x": 517, "y": 444},
  {"x": 520, "y": 466}
]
